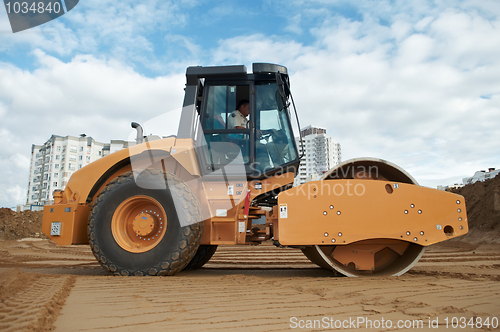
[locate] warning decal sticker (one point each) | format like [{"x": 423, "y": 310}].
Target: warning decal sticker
[{"x": 283, "y": 211}]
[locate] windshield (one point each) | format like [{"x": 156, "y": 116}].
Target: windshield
[{"x": 274, "y": 145}]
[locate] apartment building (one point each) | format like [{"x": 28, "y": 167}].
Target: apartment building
[
  {"x": 482, "y": 175},
  {"x": 321, "y": 152},
  {"x": 53, "y": 163}
]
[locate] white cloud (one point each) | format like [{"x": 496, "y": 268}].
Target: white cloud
[
  {"x": 3, "y": 109},
  {"x": 256, "y": 48},
  {"x": 15, "y": 172},
  {"x": 86, "y": 95},
  {"x": 87, "y": 89},
  {"x": 427, "y": 100},
  {"x": 124, "y": 30},
  {"x": 294, "y": 25}
]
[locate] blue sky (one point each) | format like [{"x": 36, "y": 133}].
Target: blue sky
[{"x": 413, "y": 82}]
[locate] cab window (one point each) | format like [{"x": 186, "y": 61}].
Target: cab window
[{"x": 225, "y": 144}]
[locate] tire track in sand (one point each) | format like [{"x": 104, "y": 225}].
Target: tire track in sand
[
  {"x": 256, "y": 289},
  {"x": 262, "y": 288},
  {"x": 35, "y": 307},
  {"x": 266, "y": 300}
]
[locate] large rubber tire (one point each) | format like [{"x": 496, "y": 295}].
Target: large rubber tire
[
  {"x": 203, "y": 255},
  {"x": 117, "y": 206}
]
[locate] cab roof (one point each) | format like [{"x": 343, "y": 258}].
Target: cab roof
[{"x": 194, "y": 74}]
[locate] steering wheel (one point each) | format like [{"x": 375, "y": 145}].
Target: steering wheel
[{"x": 265, "y": 134}]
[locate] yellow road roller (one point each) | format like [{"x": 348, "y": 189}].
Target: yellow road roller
[{"x": 164, "y": 204}]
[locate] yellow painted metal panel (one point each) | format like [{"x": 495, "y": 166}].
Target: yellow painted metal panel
[
  {"x": 345, "y": 211},
  {"x": 73, "y": 223}
]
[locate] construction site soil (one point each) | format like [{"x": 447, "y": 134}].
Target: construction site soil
[{"x": 454, "y": 286}]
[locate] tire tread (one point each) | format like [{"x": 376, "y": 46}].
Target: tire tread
[{"x": 187, "y": 246}]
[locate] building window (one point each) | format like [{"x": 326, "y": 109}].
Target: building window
[
  {"x": 73, "y": 149},
  {"x": 79, "y": 166},
  {"x": 54, "y": 184},
  {"x": 56, "y": 165},
  {"x": 57, "y": 157},
  {"x": 80, "y": 157},
  {"x": 81, "y": 148}
]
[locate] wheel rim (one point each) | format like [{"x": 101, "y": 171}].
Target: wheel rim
[{"x": 139, "y": 224}]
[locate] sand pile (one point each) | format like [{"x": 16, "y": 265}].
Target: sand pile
[
  {"x": 19, "y": 225},
  {"x": 483, "y": 210}
]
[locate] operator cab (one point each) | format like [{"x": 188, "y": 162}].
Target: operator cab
[{"x": 265, "y": 144}]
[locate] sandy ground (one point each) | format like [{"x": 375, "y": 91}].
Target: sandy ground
[{"x": 263, "y": 288}]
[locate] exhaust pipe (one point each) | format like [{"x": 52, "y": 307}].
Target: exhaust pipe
[{"x": 140, "y": 137}]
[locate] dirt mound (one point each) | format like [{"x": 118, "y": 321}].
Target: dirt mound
[
  {"x": 19, "y": 225},
  {"x": 483, "y": 210}
]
